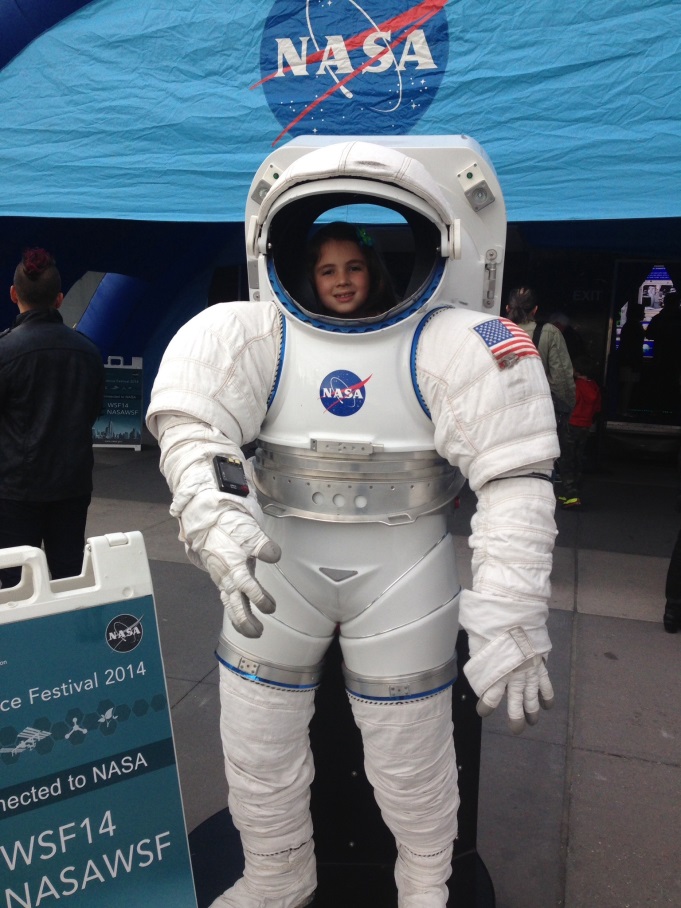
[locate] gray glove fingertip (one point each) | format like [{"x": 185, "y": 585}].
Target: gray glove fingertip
[
  {"x": 517, "y": 726},
  {"x": 270, "y": 552},
  {"x": 532, "y": 718},
  {"x": 247, "y": 630},
  {"x": 248, "y": 626},
  {"x": 267, "y": 605},
  {"x": 546, "y": 702},
  {"x": 240, "y": 615},
  {"x": 484, "y": 709}
]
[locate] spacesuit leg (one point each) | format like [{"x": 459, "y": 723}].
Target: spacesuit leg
[
  {"x": 400, "y": 663},
  {"x": 267, "y": 688},
  {"x": 410, "y": 761},
  {"x": 269, "y": 769}
]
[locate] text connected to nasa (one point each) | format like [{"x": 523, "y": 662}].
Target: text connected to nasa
[
  {"x": 107, "y": 771},
  {"x": 75, "y": 857},
  {"x": 102, "y": 678}
]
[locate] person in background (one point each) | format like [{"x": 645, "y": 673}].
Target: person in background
[
  {"x": 672, "y": 611},
  {"x": 522, "y": 309},
  {"x": 630, "y": 355},
  {"x": 51, "y": 391},
  {"x": 664, "y": 329},
  {"x": 573, "y": 339},
  {"x": 587, "y": 407}
]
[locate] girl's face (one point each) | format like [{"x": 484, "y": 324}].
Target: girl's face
[{"x": 341, "y": 277}]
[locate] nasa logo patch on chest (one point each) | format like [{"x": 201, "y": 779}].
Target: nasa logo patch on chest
[{"x": 343, "y": 393}]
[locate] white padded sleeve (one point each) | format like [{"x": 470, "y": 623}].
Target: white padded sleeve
[
  {"x": 489, "y": 421},
  {"x": 219, "y": 369}
]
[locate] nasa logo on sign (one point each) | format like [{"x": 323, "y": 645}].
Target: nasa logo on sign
[
  {"x": 343, "y": 393},
  {"x": 352, "y": 67},
  {"x": 124, "y": 633}
]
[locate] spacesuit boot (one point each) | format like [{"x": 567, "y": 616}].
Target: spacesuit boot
[
  {"x": 269, "y": 769},
  {"x": 410, "y": 761},
  {"x": 422, "y": 878}
]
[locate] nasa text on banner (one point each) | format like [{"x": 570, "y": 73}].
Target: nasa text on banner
[{"x": 90, "y": 806}]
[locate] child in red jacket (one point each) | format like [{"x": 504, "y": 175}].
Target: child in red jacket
[{"x": 587, "y": 406}]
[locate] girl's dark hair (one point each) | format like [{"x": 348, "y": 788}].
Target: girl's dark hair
[
  {"x": 520, "y": 304},
  {"x": 381, "y": 294},
  {"x": 36, "y": 279}
]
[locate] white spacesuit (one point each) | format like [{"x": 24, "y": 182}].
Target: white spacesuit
[{"x": 366, "y": 430}]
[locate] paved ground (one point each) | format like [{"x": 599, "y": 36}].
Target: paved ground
[{"x": 582, "y": 811}]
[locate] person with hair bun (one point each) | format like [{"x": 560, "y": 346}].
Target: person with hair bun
[
  {"x": 522, "y": 308},
  {"x": 51, "y": 391}
]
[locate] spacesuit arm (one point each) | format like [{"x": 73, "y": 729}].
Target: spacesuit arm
[
  {"x": 497, "y": 425},
  {"x": 220, "y": 531},
  {"x": 209, "y": 398},
  {"x": 505, "y": 611}
]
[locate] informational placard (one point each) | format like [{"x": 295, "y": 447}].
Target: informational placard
[
  {"x": 120, "y": 422},
  {"x": 90, "y": 805}
]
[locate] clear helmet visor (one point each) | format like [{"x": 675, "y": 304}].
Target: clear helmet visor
[{"x": 397, "y": 239}]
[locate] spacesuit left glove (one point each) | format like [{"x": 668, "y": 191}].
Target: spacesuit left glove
[
  {"x": 509, "y": 665},
  {"x": 528, "y": 688}
]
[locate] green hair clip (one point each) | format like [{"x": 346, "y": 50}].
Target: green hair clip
[{"x": 363, "y": 237}]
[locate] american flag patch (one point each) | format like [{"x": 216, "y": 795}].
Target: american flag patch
[{"x": 506, "y": 341}]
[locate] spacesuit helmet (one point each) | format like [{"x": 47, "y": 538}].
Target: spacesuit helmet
[{"x": 401, "y": 217}]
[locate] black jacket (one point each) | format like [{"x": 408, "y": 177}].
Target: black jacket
[{"x": 51, "y": 391}]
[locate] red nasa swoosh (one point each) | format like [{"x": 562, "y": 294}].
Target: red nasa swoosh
[
  {"x": 411, "y": 19},
  {"x": 356, "y": 387}
]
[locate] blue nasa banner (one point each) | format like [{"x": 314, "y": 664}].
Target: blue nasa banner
[
  {"x": 90, "y": 807},
  {"x": 165, "y": 112}
]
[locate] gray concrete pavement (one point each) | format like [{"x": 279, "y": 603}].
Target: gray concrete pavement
[{"x": 581, "y": 811}]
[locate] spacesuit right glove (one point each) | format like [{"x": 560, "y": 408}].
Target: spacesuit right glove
[
  {"x": 229, "y": 553},
  {"x": 225, "y": 539}
]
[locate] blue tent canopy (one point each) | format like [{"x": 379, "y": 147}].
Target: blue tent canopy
[
  {"x": 131, "y": 131},
  {"x": 126, "y": 110}
]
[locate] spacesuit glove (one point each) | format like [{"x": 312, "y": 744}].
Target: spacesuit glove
[
  {"x": 222, "y": 535},
  {"x": 527, "y": 688},
  {"x": 228, "y": 552}
]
